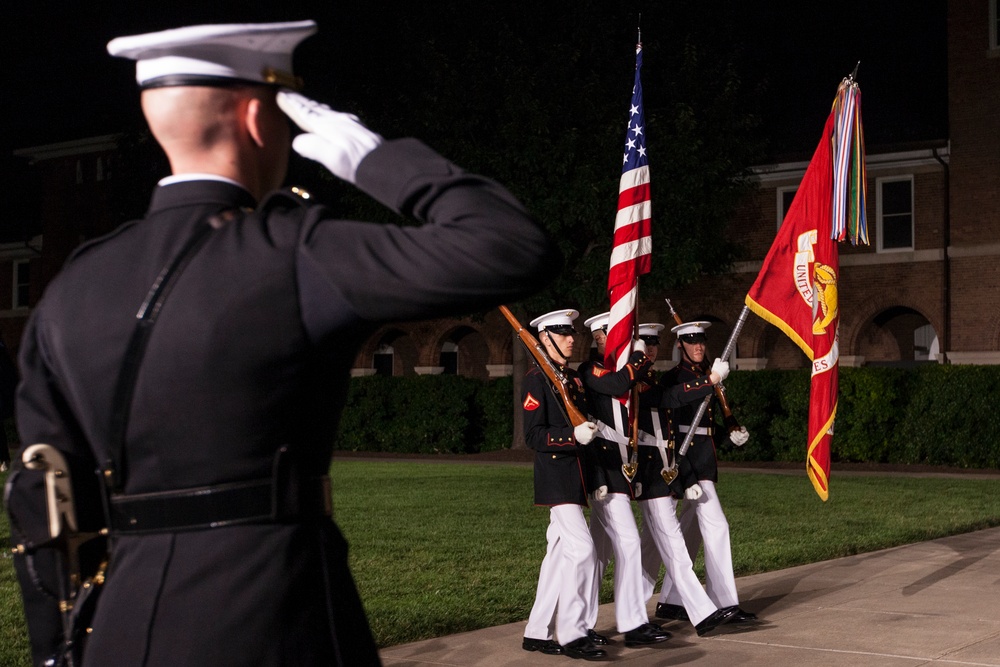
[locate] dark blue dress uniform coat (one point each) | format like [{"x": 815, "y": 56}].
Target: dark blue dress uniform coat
[
  {"x": 251, "y": 353},
  {"x": 604, "y": 457},
  {"x": 701, "y": 459},
  {"x": 668, "y": 400},
  {"x": 559, "y": 467}
]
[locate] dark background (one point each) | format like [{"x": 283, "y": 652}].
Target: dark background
[{"x": 61, "y": 85}]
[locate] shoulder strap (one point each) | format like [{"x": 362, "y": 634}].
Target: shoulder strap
[{"x": 114, "y": 469}]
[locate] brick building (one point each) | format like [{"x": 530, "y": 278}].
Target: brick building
[{"x": 927, "y": 289}]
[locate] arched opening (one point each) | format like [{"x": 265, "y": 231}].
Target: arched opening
[
  {"x": 394, "y": 354},
  {"x": 898, "y": 336},
  {"x": 465, "y": 352}
]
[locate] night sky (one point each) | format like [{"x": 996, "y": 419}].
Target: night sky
[{"x": 63, "y": 86}]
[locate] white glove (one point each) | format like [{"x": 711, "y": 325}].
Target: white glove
[
  {"x": 584, "y": 432},
  {"x": 639, "y": 345},
  {"x": 336, "y": 140},
  {"x": 693, "y": 492},
  {"x": 601, "y": 492},
  {"x": 720, "y": 371},
  {"x": 638, "y": 489},
  {"x": 739, "y": 437}
]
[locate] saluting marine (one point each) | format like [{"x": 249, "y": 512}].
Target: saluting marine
[{"x": 200, "y": 359}]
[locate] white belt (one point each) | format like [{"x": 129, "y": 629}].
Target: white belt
[
  {"x": 614, "y": 435},
  {"x": 609, "y": 433},
  {"x": 701, "y": 430}
]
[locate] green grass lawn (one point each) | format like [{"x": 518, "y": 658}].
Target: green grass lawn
[{"x": 439, "y": 548}]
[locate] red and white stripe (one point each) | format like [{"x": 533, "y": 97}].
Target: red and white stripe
[{"x": 630, "y": 258}]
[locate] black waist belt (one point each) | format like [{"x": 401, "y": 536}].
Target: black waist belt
[{"x": 256, "y": 501}]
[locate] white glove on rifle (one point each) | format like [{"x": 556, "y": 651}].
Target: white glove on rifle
[
  {"x": 693, "y": 492},
  {"x": 336, "y": 140},
  {"x": 584, "y": 432},
  {"x": 601, "y": 492},
  {"x": 720, "y": 371},
  {"x": 739, "y": 437}
]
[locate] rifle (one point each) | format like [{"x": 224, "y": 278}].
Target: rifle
[{"x": 556, "y": 377}]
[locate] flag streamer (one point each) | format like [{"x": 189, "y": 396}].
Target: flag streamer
[
  {"x": 796, "y": 289},
  {"x": 849, "y": 190}
]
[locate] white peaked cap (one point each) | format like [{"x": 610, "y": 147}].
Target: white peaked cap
[
  {"x": 555, "y": 319},
  {"x": 650, "y": 329},
  {"x": 691, "y": 328},
  {"x": 258, "y": 53},
  {"x": 597, "y": 321}
]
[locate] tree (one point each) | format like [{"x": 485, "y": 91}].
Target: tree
[{"x": 537, "y": 97}]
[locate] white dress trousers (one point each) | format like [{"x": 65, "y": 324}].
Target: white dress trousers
[
  {"x": 662, "y": 540},
  {"x": 703, "y": 520},
  {"x": 612, "y": 521},
  {"x": 565, "y": 579}
]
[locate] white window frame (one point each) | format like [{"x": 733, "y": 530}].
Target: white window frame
[
  {"x": 913, "y": 215},
  {"x": 16, "y": 284},
  {"x": 780, "y": 201}
]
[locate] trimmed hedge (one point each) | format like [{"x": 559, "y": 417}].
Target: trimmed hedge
[{"x": 932, "y": 414}]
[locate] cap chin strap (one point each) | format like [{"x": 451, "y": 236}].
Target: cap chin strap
[
  {"x": 556, "y": 348},
  {"x": 687, "y": 357}
]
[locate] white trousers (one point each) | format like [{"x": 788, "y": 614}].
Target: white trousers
[
  {"x": 703, "y": 520},
  {"x": 565, "y": 579},
  {"x": 662, "y": 540},
  {"x": 612, "y": 525}
]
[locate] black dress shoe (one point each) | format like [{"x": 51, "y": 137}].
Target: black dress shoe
[
  {"x": 742, "y": 616},
  {"x": 714, "y": 620},
  {"x": 647, "y": 633},
  {"x": 546, "y": 646},
  {"x": 600, "y": 640},
  {"x": 671, "y": 612},
  {"x": 584, "y": 648}
]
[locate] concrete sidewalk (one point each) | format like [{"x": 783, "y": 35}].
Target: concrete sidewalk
[{"x": 931, "y": 603}]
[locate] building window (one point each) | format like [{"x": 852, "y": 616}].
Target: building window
[
  {"x": 22, "y": 283},
  {"x": 785, "y": 197},
  {"x": 895, "y": 214},
  {"x": 449, "y": 358},
  {"x": 382, "y": 360}
]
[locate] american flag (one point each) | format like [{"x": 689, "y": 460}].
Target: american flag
[{"x": 630, "y": 254}]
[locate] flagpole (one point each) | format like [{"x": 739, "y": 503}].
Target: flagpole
[
  {"x": 631, "y": 467},
  {"x": 730, "y": 344}
]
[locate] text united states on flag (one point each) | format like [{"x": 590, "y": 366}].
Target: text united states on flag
[{"x": 630, "y": 253}]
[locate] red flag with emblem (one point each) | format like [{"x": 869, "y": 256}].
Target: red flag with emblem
[{"x": 796, "y": 289}]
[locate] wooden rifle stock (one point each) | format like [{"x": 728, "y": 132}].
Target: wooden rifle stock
[
  {"x": 555, "y": 376},
  {"x": 720, "y": 391}
]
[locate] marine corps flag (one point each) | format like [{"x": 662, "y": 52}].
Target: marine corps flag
[{"x": 796, "y": 289}]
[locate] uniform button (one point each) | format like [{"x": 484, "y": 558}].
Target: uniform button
[{"x": 553, "y": 456}]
